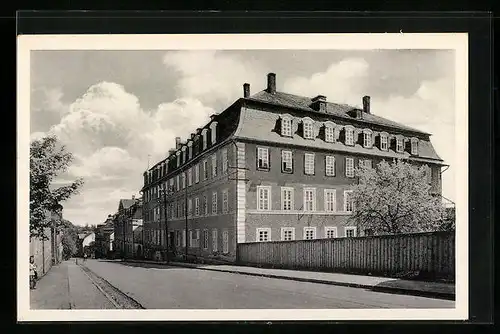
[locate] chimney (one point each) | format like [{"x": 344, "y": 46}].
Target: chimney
[
  {"x": 213, "y": 116},
  {"x": 246, "y": 90},
  {"x": 177, "y": 143},
  {"x": 319, "y": 103},
  {"x": 271, "y": 83},
  {"x": 366, "y": 104},
  {"x": 192, "y": 136},
  {"x": 171, "y": 151}
]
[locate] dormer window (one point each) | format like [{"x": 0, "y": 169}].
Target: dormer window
[
  {"x": 184, "y": 154},
  {"x": 329, "y": 132},
  {"x": 383, "y": 141},
  {"x": 204, "y": 134},
  {"x": 308, "y": 129},
  {"x": 190, "y": 149},
  {"x": 399, "y": 145},
  {"x": 213, "y": 132},
  {"x": 349, "y": 135},
  {"x": 367, "y": 138},
  {"x": 178, "y": 153},
  {"x": 414, "y": 146},
  {"x": 286, "y": 126}
]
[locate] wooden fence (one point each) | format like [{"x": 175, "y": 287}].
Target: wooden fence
[{"x": 430, "y": 254}]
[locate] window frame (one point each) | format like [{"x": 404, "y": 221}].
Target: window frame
[
  {"x": 291, "y": 200},
  {"x": 215, "y": 240},
  {"x": 205, "y": 170},
  {"x": 205, "y": 205},
  {"x": 334, "y": 192},
  {"x": 306, "y": 163},
  {"x": 346, "y": 202},
  {"x": 214, "y": 203},
  {"x": 205, "y": 239},
  {"x": 225, "y": 161},
  {"x": 349, "y": 168},
  {"x": 384, "y": 142},
  {"x": 308, "y": 124},
  {"x": 288, "y": 121},
  {"x": 225, "y": 201},
  {"x": 225, "y": 241},
  {"x": 197, "y": 206},
  {"x": 267, "y": 158},
  {"x": 197, "y": 173},
  {"x": 333, "y": 166},
  {"x": 350, "y": 228},
  {"x": 349, "y": 130},
  {"x": 309, "y": 228},
  {"x": 262, "y": 229},
  {"x": 414, "y": 146},
  {"x": 285, "y": 153},
  {"x": 313, "y": 192},
  {"x": 331, "y": 228},
  {"x": 367, "y": 134},
  {"x": 287, "y": 229},
  {"x": 400, "y": 148},
  {"x": 214, "y": 165},
  {"x": 268, "y": 189},
  {"x": 329, "y": 133}
]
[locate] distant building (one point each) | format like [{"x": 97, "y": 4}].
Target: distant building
[
  {"x": 272, "y": 166},
  {"x": 102, "y": 238},
  {"x": 128, "y": 218}
]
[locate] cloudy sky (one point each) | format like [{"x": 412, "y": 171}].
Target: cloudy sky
[{"x": 114, "y": 109}]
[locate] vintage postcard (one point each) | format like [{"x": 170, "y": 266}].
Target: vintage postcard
[{"x": 242, "y": 177}]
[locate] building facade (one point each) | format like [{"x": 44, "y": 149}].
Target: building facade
[
  {"x": 272, "y": 166},
  {"x": 103, "y": 242},
  {"x": 127, "y": 219}
]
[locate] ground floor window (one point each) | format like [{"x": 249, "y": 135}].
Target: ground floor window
[
  {"x": 205, "y": 239},
  {"x": 214, "y": 240},
  {"x": 263, "y": 234},
  {"x": 330, "y": 232},
  {"x": 287, "y": 233},
  {"x": 350, "y": 231},
  {"x": 309, "y": 233},
  {"x": 225, "y": 241}
]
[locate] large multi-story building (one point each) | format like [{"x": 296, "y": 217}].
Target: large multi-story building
[{"x": 272, "y": 166}]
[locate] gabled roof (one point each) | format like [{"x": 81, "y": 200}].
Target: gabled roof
[
  {"x": 126, "y": 203},
  {"x": 339, "y": 110}
]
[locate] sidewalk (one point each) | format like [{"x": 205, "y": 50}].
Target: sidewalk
[
  {"x": 382, "y": 284},
  {"x": 52, "y": 290}
]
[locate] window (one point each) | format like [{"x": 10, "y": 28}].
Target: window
[
  {"x": 183, "y": 178},
  {"x": 205, "y": 239},
  {"x": 178, "y": 183},
  {"x": 190, "y": 150},
  {"x": 348, "y": 203},
  {"x": 225, "y": 204},
  {"x": 197, "y": 173},
  {"x": 367, "y": 139},
  {"x": 224, "y": 160},
  {"x": 286, "y": 127},
  {"x": 205, "y": 205},
  {"x": 171, "y": 184},
  {"x": 205, "y": 169},
  {"x": 309, "y": 163},
  {"x": 286, "y": 162},
  {"x": 197, "y": 239},
  {"x": 214, "y": 203},
  {"x": 190, "y": 206},
  {"x": 213, "y": 132},
  {"x": 204, "y": 134},
  {"x": 263, "y": 198},
  {"x": 178, "y": 158},
  {"x": 330, "y": 232},
  {"x": 177, "y": 238},
  {"x": 383, "y": 142},
  {"x": 225, "y": 241},
  {"x": 197, "y": 206},
  {"x": 349, "y": 136},
  {"x": 329, "y": 134},
  {"x": 286, "y": 199},
  {"x": 287, "y": 233},
  {"x": 262, "y": 158},
  {"x": 183, "y": 238},
  {"x": 330, "y": 200},
  {"x": 367, "y": 163},
  {"x": 214, "y": 165},
  {"x": 399, "y": 145},
  {"x": 349, "y": 167},
  {"x": 309, "y": 233},
  {"x": 350, "y": 231},
  {"x": 214, "y": 240},
  {"x": 308, "y": 129},
  {"x": 263, "y": 234},
  {"x": 414, "y": 147},
  {"x": 190, "y": 177},
  {"x": 309, "y": 199},
  {"x": 330, "y": 165}
]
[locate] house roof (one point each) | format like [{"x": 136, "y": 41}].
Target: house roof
[
  {"x": 338, "y": 110},
  {"x": 257, "y": 124},
  {"x": 127, "y": 203}
]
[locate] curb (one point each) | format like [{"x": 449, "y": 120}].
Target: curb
[{"x": 384, "y": 289}]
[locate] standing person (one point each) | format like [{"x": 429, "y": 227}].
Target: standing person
[
  {"x": 85, "y": 257},
  {"x": 33, "y": 273}
]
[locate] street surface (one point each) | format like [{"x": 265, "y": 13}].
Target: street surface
[{"x": 163, "y": 287}]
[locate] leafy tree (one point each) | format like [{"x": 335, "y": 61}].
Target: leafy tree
[
  {"x": 395, "y": 198},
  {"x": 48, "y": 159},
  {"x": 69, "y": 240}
]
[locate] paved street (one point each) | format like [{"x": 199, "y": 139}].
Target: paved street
[{"x": 157, "y": 287}]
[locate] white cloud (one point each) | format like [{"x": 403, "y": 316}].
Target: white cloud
[
  {"x": 111, "y": 137},
  {"x": 211, "y": 76},
  {"x": 430, "y": 108}
]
